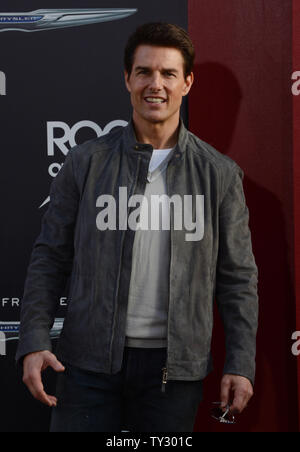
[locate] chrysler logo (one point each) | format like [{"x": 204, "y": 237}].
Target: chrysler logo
[{"x": 50, "y": 19}]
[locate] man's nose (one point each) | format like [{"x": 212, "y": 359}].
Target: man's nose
[{"x": 156, "y": 82}]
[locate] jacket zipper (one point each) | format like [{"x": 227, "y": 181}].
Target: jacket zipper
[
  {"x": 165, "y": 369},
  {"x": 119, "y": 272},
  {"x": 164, "y": 379}
]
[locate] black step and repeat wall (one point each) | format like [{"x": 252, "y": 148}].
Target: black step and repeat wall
[{"x": 61, "y": 83}]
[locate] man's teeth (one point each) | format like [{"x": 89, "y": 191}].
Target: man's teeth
[{"x": 154, "y": 100}]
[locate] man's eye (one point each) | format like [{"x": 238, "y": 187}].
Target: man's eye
[{"x": 169, "y": 74}]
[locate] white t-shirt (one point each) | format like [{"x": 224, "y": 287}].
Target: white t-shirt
[{"x": 158, "y": 156}]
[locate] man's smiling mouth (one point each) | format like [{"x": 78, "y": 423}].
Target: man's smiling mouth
[{"x": 155, "y": 100}]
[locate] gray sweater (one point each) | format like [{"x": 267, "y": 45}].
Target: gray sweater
[{"x": 147, "y": 314}]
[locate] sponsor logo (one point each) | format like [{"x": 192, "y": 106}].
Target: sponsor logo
[
  {"x": 14, "y": 302},
  {"x": 62, "y": 137},
  {"x": 2, "y": 84},
  {"x": 152, "y": 215},
  {"x": 51, "y": 19},
  {"x": 69, "y": 133},
  {"x": 10, "y": 330}
]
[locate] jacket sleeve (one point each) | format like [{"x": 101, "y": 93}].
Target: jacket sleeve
[
  {"x": 50, "y": 264},
  {"x": 236, "y": 282}
]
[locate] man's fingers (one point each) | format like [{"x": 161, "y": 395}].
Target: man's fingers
[
  {"x": 238, "y": 404},
  {"x": 52, "y": 400},
  {"x": 34, "y": 384},
  {"x": 236, "y": 391},
  {"x": 240, "y": 401},
  {"x": 53, "y": 362},
  {"x": 34, "y": 364},
  {"x": 225, "y": 392},
  {"x": 39, "y": 393}
]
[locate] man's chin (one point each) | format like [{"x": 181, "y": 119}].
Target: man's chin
[{"x": 155, "y": 119}]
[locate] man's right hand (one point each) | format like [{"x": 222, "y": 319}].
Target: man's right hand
[{"x": 33, "y": 366}]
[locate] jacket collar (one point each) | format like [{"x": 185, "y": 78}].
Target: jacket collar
[{"x": 134, "y": 147}]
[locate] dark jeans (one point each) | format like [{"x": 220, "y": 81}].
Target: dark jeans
[{"x": 129, "y": 400}]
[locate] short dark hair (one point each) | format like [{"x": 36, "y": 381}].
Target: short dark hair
[{"x": 160, "y": 34}]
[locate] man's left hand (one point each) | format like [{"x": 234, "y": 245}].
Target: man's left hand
[{"x": 236, "y": 391}]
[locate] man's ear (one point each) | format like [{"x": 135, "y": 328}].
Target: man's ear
[
  {"x": 188, "y": 83},
  {"x": 127, "y": 83}
]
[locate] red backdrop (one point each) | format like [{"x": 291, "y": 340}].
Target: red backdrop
[
  {"x": 296, "y": 129},
  {"x": 241, "y": 103}
]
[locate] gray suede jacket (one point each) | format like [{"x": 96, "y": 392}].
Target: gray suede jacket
[{"x": 218, "y": 267}]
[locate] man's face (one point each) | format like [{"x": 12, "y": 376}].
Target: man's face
[{"x": 157, "y": 83}]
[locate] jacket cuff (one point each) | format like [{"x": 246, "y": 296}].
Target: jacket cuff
[
  {"x": 33, "y": 341},
  {"x": 243, "y": 372}
]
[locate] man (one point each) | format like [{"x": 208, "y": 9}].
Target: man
[{"x": 135, "y": 345}]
